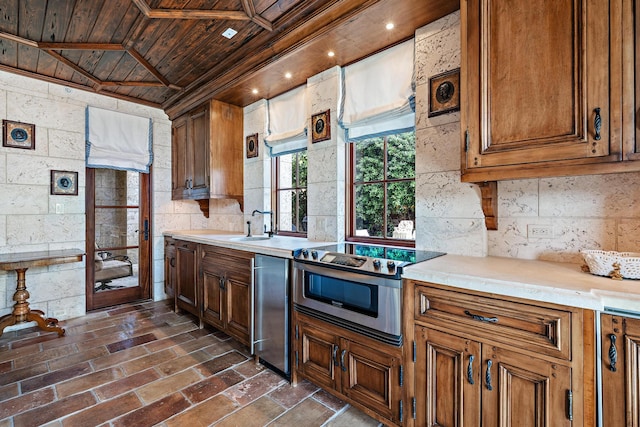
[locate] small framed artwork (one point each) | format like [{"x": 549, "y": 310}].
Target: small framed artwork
[
  {"x": 18, "y": 135},
  {"x": 64, "y": 183},
  {"x": 320, "y": 127},
  {"x": 444, "y": 93},
  {"x": 252, "y": 146}
]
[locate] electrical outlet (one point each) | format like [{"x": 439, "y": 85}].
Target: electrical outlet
[
  {"x": 539, "y": 231},
  {"x": 320, "y": 224},
  {"x": 59, "y": 208}
]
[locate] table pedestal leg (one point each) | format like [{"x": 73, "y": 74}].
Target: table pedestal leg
[{"x": 22, "y": 313}]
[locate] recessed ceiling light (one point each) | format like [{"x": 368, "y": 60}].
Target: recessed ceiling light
[
  {"x": 390, "y": 26},
  {"x": 331, "y": 54},
  {"x": 229, "y": 32},
  {"x": 288, "y": 75},
  {"x": 254, "y": 91}
]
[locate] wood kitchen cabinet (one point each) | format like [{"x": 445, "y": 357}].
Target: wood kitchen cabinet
[
  {"x": 483, "y": 360},
  {"x": 190, "y": 155},
  {"x": 226, "y": 284},
  {"x": 364, "y": 372},
  {"x": 170, "y": 274},
  {"x": 620, "y": 338},
  {"x": 207, "y": 154},
  {"x": 187, "y": 293},
  {"x": 547, "y": 88}
]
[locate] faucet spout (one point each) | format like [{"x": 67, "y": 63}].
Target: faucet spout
[{"x": 270, "y": 213}]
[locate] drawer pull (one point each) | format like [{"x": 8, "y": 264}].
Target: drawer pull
[
  {"x": 172, "y": 262},
  {"x": 597, "y": 124},
  {"x": 470, "y": 369},
  {"x": 487, "y": 376},
  {"x": 342, "y": 365},
  {"x": 613, "y": 353},
  {"x": 424, "y": 303},
  {"x": 335, "y": 355},
  {"x": 481, "y": 318}
]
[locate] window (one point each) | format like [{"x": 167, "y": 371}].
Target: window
[
  {"x": 382, "y": 188},
  {"x": 290, "y": 187}
]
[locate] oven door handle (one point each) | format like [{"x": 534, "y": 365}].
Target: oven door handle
[{"x": 342, "y": 366}]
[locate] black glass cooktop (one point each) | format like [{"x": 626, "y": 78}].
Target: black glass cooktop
[{"x": 398, "y": 254}]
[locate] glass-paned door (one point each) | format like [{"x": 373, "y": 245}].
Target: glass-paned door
[{"x": 118, "y": 237}]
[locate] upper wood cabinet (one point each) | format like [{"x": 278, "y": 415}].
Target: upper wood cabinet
[
  {"x": 548, "y": 88},
  {"x": 207, "y": 154},
  {"x": 190, "y": 155}
]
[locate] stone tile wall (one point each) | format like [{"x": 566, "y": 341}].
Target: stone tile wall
[{"x": 28, "y": 221}]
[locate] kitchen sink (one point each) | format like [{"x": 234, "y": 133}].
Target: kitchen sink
[{"x": 249, "y": 238}]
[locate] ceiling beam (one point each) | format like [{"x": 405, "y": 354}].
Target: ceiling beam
[
  {"x": 78, "y": 86},
  {"x": 18, "y": 39},
  {"x": 52, "y": 48},
  {"x": 79, "y": 46},
  {"x": 134, "y": 53},
  {"x": 73, "y": 66},
  {"x": 249, "y": 14}
]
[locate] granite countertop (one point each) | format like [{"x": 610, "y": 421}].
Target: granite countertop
[
  {"x": 554, "y": 282},
  {"x": 560, "y": 283},
  {"x": 280, "y": 246}
]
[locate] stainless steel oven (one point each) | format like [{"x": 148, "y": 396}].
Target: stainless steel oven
[{"x": 358, "y": 287}]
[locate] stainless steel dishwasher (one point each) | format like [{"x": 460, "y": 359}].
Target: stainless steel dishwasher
[{"x": 271, "y": 312}]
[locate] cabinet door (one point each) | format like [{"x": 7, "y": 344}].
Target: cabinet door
[
  {"x": 169, "y": 267},
  {"x": 238, "y": 305},
  {"x": 180, "y": 168},
  {"x": 213, "y": 297},
  {"x": 318, "y": 356},
  {"x": 447, "y": 379},
  {"x": 187, "y": 289},
  {"x": 519, "y": 390},
  {"x": 535, "y": 73},
  {"x": 620, "y": 371},
  {"x": 371, "y": 377},
  {"x": 199, "y": 152}
]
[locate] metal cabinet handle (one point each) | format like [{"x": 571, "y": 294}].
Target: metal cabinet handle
[
  {"x": 481, "y": 318},
  {"x": 613, "y": 353},
  {"x": 470, "y": 369},
  {"x": 221, "y": 283},
  {"x": 335, "y": 355},
  {"x": 342, "y": 365},
  {"x": 186, "y": 183},
  {"x": 172, "y": 262},
  {"x": 597, "y": 124},
  {"x": 487, "y": 376}
]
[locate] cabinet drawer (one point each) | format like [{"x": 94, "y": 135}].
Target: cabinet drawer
[
  {"x": 530, "y": 327},
  {"x": 235, "y": 264}
]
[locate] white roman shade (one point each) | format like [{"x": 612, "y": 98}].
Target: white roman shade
[
  {"x": 117, "y": 140},
  {"x": 378, "y": 94},
  {"x": 287, "y": 122}
]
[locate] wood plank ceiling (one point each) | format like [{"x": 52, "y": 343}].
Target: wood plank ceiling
[{"x": 171, "y": 53}]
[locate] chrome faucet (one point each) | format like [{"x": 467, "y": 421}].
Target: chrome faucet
[{"x": 270, "y": 232}]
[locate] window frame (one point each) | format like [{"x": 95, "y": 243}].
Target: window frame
[
  {"x": 350, "y": 210},
  {"x": 275, "y": 195}
]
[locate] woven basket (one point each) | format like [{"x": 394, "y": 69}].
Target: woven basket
[{"x": 613, "y": 264}]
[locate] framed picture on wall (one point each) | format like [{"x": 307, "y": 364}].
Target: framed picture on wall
[
  {"x": 252, "y": 146},
  {"x": 64, "y": 183},
  {"x": 320, "y": 127},
  {"x": 18, "y": 135},
  {"x": 444, "y": 93}
]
